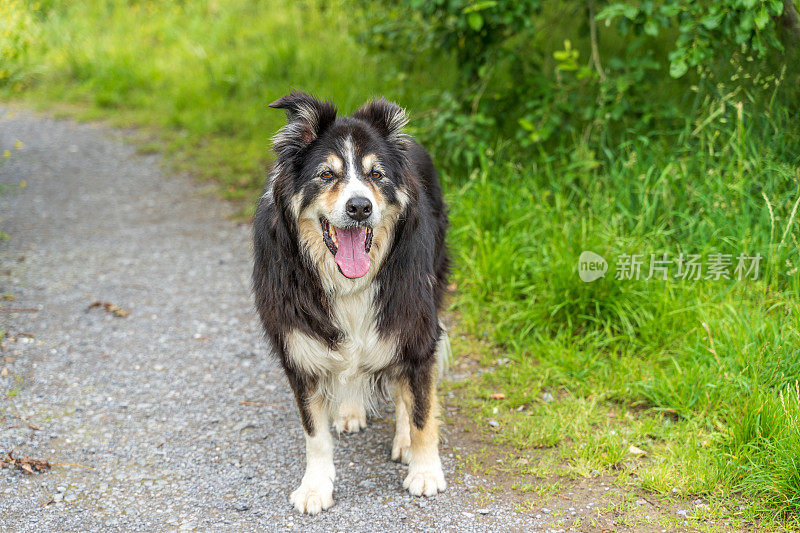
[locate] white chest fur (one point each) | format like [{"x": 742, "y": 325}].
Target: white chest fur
[{"x": 363, "y": 351}]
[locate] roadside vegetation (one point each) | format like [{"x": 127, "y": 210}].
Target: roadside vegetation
[{"x": 661, "y": 130}]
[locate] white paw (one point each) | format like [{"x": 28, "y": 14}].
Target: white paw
[
  {"x": 425, "y": 480},
  {"x": 401, "y": 449},
  {"x": 351, "y": 420},
  {"x": 313, "y": 497}
]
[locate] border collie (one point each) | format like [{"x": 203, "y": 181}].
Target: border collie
[{"x": 350, "y": 271}]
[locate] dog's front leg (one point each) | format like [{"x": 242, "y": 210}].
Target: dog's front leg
[
  {"x": 401, "y": 445},
  {"x": 425, "y": 475},
  {"x": 315, "y": 492}
]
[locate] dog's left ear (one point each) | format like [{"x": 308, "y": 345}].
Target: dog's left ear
[
  {"x": 386, "y": 117},
  {"x": 306, "y": 116}
]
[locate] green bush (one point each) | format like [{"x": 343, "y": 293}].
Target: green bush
[
  {"x": 537, "y": 74},
  {"x": 17, "y": 35}
]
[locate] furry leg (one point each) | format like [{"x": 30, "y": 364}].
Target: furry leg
[
  {"x": 315, "y": 492},
  {"x": 401, "y": 445},
  {"x": 425, "y": 475}
]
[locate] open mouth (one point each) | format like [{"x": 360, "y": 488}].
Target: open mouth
[{"x": 349, "y": 246}]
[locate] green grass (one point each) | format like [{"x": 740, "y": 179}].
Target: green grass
[
  {"x": 700, "y": 375},
  {"x": 196, "y": 75}
]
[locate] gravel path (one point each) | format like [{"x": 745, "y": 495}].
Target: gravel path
[{"x": 152, "y": 402}]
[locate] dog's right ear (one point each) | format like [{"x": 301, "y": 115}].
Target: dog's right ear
[{"x": 307, "y": 118}]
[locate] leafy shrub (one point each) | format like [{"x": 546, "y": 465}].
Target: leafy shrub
[
  {"x": 534, "y": 73},
  {"x": 705, "y": 31},
  {"x": 18, "y": 32}
]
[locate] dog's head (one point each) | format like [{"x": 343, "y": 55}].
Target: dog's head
[{"x": 343, "y": 180}]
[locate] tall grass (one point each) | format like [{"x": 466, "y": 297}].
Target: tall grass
[
  {"x": 702, "y": 374},
  {"x": 708, "y": 359}
]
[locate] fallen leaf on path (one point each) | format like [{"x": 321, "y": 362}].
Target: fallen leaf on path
[
  {"x": 30, "y": 465},
  {"x": 498, "y": 396},
  {"x": 3, "y": 372},
  {"x": 110, "y": 308},
  {"x": 26, "y": 464}
]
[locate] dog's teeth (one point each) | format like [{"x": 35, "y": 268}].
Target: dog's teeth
[{"x": 332, "y": 233}]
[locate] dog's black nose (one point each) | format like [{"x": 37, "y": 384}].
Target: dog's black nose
[{"x": 358, "y": 208}]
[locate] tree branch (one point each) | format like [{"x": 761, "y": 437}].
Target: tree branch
[
  {"x": 790, "y": 19},
  {"x": 593, "y": 41}
]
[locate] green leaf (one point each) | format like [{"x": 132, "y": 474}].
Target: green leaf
[
  {"x": 585, "y": 72},
  {"x": 711, "y": 21},
  {"x": 475, "y": 21},
  {"x": 651, "y": 28},
  {"x": 479, "y": 6},
  {"x": 670, "y": 10},
  {"x": 747, "y": 21},
  {"x": 567, "y": 58},
  {"x": 678, "y": 68},
  {"x": 630, "y": 11},
  {"x": 526, "y": 124},
  {"x": 762, "y": 18}
]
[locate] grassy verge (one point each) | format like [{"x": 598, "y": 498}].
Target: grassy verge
[
  {"x": 673, "y": 385},
  {"x": 681, "y": 386}
]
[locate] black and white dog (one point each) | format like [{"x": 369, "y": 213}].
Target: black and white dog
[{"x": 350, "y": 272}]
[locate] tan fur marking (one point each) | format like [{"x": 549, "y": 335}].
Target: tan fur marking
[
  {"x": 329, "y": 197},
  {"x": 401, "y": 444},
  {"x": 335, "y": 163},
  {"x": 425, "y": 476},
  {"x": 368, "y": 162},
  {"x": 380, "y": 199},
  {"x": 311, "y": 239},
  {"x": 427, "y": 437}
]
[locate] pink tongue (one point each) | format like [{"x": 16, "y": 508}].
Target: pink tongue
[{"x": 350, "y": 255}]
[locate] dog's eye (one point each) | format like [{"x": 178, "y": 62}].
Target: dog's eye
[
  {"x": 326, "y": 175},
  {"x": 375, "y": 175}
]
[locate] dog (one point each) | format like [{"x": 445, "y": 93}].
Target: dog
[{"x": 350, "y": 273}]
